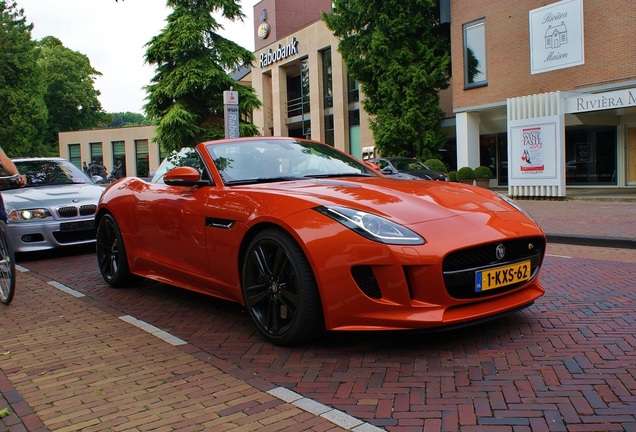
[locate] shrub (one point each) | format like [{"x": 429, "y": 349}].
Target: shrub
[
  {"x": 436, "y": 164},
  {"x": 452, "y": 176},
  {"x": 465, "y": 173},
  {"x": 483, "y": 172}
]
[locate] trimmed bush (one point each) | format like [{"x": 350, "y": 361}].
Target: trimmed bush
[
  {"x": 436, "y": 164},
  {"x": 452, "y": 176},
  {"x": 465, "y": 173},
  {"x": 483, "y": 172}
]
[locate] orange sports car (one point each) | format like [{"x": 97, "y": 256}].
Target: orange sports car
[{"x": 310, "y": 239}]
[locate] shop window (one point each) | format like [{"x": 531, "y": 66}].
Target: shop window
[
  {"x": 475, "y": 68},
  {"x": 493, "y": 153},
  {"x": 590, "y": 155}
]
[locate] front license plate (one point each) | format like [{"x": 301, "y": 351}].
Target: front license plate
[
  {"x": 502, "y": 276},
  {"x": 77, "y": 226}
]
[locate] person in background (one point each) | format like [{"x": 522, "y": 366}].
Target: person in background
[{"x": 9, "y": 167}]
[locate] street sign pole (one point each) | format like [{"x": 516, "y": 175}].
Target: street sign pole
[{"x": 231, "y": 110}]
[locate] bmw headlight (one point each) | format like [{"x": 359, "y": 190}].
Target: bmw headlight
[
  {"x": 29, "y": 214},
  {"x": 371, "y": 226}
]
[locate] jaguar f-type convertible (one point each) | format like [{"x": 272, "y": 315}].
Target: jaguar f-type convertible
[{"x": 310, "y": 239}]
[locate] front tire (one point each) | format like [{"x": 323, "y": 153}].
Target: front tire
[
  {"x": 7, "y": 266},
  {"x": 279, "y": 289},
  {"x": 111, "y": 254}
]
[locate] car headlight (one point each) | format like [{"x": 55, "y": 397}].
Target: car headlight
[
  {"x": 516, "y": 206},
  {"x": 371, "y": 226},
  {"x": 29, "y": 214}
]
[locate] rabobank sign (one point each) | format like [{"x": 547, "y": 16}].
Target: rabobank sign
[{"x": 280, "y": 53}]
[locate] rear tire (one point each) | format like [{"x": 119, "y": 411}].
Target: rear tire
[
  {"x": 7, "y": 266},
  {"x": 280, "y": 290},
  {"x": 111, "y": 254}
]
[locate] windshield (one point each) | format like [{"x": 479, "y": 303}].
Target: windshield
[
  {"x": 187, "y": 156},
  {"x": 44, "y": 172},
  {"x": 408, "y": 165},
  {"x": 262, "y": 160}
]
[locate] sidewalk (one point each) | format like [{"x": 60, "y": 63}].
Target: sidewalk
[
  {"x": 76, "y": 367},
  {"x": 588, "y": 217}
]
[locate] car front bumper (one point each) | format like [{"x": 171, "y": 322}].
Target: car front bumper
[{"x": 49, "y": 234}]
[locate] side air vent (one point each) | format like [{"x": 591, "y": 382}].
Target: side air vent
[{"x": 365, "y": 279}]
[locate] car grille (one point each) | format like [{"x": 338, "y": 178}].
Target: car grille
[
  {"x": 459, "y": 267},
  {"x": 72, "y": 211}
]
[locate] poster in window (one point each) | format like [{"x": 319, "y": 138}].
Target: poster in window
[{"x": 534, "y": 151}]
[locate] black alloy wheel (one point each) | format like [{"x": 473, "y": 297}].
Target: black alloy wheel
[
  {"x": 280, "y": 290},
  {"x": 111, "y": 254}
]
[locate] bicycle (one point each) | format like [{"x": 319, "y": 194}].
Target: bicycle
[{"x": 7, "y": 257}]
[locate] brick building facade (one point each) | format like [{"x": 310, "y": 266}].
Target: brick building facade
[{"x": 598, "y": 147}]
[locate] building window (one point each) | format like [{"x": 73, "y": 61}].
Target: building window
[
  {"x": 119, "y": 159},
  {"x": 141, "y": 158},
  {"x": 354, "y": 117},
  {"x": 75, "y": 155},
  {"x": 475, "y": 69},
  {"x": 96, "y": 153},
  {"x": 327, "y": 78},
  {"x": 353, "y": 91},
  {"x": 329, "y": 130},
  {"x": 298, "y": 91}
]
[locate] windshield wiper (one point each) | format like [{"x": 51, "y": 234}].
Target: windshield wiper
[
  {"x": 339, "y": 175},
  {"x": 263, "y": 180}
]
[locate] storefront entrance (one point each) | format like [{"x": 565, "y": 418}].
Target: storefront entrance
[{"x": 590, "y": 154}]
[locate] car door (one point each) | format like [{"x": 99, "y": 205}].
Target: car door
[{"x": 171, "y": 221}]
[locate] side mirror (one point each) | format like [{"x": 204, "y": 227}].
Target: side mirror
[{"x": 184, "y": 176}]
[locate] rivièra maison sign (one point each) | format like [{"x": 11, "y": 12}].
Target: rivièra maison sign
[{"x": 577, "y": 103}]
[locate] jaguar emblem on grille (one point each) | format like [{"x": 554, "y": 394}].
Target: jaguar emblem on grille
[{"x": 500, "y": 251}]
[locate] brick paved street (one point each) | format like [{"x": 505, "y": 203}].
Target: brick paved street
[{"x": 567, "y": 363}]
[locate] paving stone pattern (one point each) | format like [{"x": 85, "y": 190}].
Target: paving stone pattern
[{"x": 567, "y": 363}]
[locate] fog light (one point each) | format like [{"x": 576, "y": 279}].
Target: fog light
[{"x": 31, "y": 238}]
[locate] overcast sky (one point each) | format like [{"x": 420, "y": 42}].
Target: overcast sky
[{"x": 112, "y": 35}]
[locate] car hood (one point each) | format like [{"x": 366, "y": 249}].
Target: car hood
[
  {"x": 407, "y": 202},
  {"x": 52, "y": 195}
]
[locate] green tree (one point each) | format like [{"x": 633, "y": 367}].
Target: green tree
[
  {"x": 124, "y": 119},
  {"x": 185, "y": 97},
  {"x": 23, "y": 114},
  {"x": 70, "y": 95},
  {"x": 400, "y": 54}
]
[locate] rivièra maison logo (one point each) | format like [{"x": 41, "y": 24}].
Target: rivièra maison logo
[{"x": 556, "y": 36}]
